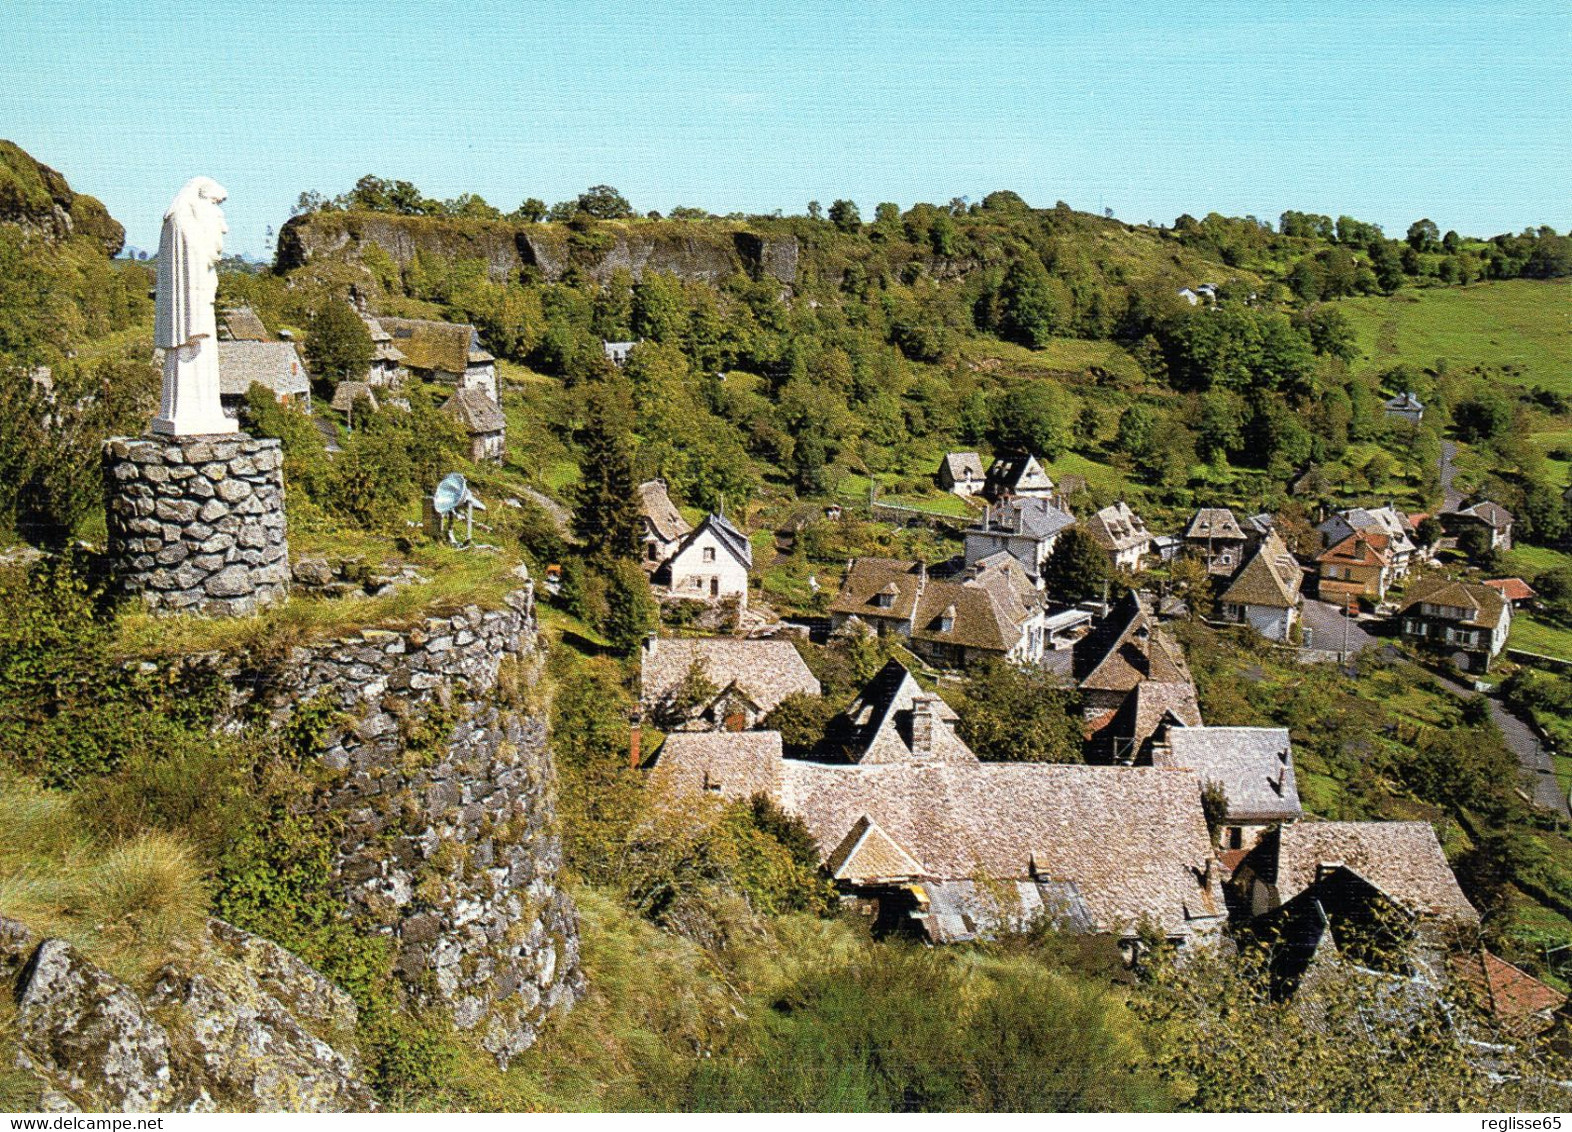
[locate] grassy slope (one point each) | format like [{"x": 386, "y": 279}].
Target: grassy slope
[{"x": 1519, "y": 322}]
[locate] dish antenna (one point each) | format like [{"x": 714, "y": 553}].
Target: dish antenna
[{"x": 451, "y": 494}]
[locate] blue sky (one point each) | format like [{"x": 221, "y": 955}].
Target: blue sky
[{"x": 1457, "y": 111}]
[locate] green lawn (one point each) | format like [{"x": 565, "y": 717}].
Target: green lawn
[
  {"x": 1522, "y": 323},
  {"x": 1058, "y": 357},
  {"x": 1526, "y": 561},
  {"x": 1101, "y": 476},
  {"x": 1533, "y": 635}
]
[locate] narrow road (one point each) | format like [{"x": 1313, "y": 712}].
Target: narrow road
[
  {"x": 1325, "y": 624},
  {"x": 1451, "y": 499},
  {"x": 1536, "y": 770}
]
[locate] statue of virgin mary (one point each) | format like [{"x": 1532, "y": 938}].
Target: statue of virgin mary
[{"x": 184, "y": 325}]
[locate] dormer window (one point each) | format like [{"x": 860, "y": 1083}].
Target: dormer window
[
  {"x": 947, "y": 620},
  {"x": 885, "y": 598}
]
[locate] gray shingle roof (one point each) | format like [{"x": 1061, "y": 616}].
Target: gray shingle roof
[
  {"x": 877, "y": 726},
  {"x": 1031, "y": 516},
  {"x": 1270, "y": 577},
  {"x": 661, "y": 513},
  {"x": 765, "y": 671},
  {"x": 478, "y": 413},
  {"x": 726, "y": 534},
  {"x": 1213, "y": 523},
  {"x": 276, "y": 365},
  {"x": 1117, "y": 528},
  {"x": 960, "y": 465},
  {"x": 1016, "y": 473},
  {"x": 1401, "y": 858},
  {"x": 1254, "y": 766}
]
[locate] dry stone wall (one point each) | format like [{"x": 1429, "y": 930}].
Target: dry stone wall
[
  {"x": 444, "y": 793},
  {"x": 196, "y": 523}
]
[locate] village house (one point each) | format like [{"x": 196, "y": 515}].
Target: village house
[
  {"x": 1358, "y": 567},
  {"x": 1467, "y": 621},
  {"x": 1254, "y": 767},
  {"x": 1216, "y": 537},
  {"x": 719, "y": 683},
  {"x": 1122, "y": 534},
  {"x": 664, "y": 528},
  {"x": 1133, "y": 680},
  {"x": 1024, "y": 528},
  {"x": 348, "y": 394},
  {"x": 961, "y": 473},
  {"x": 1490, "y": 516},
  {"x": 448, "y": 353},
  {"x": 1379, "y": 894},
  {"x": 1017, "y": 475},
  {"x": 932, "y": 841},
  {"x": 276, "y": 366},
  {"x": 711, "y": 564},
  {"x": 1516, "y": 591},
  {"x": 617, "y": 352},
  {"x": 1388, "y": 521},
  {"x": 241, "y": 324},
  {"x": 1405, "y": 407},
  {"x": 387, "y": 360},
  {"x": 1265, "y": 592},
  {"x": 993, "y": 610},
  {"x": 482, "y": 421}
]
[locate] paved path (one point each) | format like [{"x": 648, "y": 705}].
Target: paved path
[
  {"x": 1451, "y": 499},
  {"x": 1324, "y": 622},
  {"x": 1537, "y": 771}
]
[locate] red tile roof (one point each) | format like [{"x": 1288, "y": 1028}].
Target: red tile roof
[{"x": 1513, "y": 589}]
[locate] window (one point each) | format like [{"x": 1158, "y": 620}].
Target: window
[
  {"x": 1235, "y": 837},
  {"x": 709, "y": 554}
]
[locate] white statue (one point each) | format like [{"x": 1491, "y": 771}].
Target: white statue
[{"x": 184, "y": 325}]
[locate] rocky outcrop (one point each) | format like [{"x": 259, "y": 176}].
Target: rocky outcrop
[
  {"x": 443, "y": 798},
  {"x": 38, "y": 199},
  {"x": 689, "y": 250},
  {"x": 196, "y": 523},
  {"x": 238, "y": 1024}
]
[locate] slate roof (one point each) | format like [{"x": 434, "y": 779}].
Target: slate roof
[
  {"x": 1484, "y": 603},
  {"x": 1380, "y": 520},
  {"x": 1013, "y": 473},
  {"x": 766, "y": 671},
  {"x": 985, "y": 610},
  {"x": 662, "y": 514},
  {"x": 477, "y": 412},
  {"x": 449, "y": 347},
  {"x": 727, "y": 535},
  {"x": 1362, "y": 548},
  {"x": 1513, "y": 589},
  {"x": 1150, "y": 705},
  {"x": 1210, "y": 523},
  {"x": 877, "y": 726},
  {"x": 960, "y": 465},
  {"x": 867, "y": 855},
  {"x": 276, "y": 365},
  {"x": 735, "y": 765},
  {"x": 1254, "y": 766},
  {"x": 1401, "y": 858},
  {"x": 1117, "y": 528},
  {"x": 243, "y": 325},
  {"x": 1031, "y": 516},
  {"x": 1491, "y": 514},
  {"x": 1270, "y": 577},
  {"x": 346, "y": 393},
  {"x": 1127, "y": 648},
  {"x": 1404, "y": 402},
  {"x": 381, "y": 341}
]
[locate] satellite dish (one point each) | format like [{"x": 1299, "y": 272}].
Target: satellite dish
[{"x": 450, "y": 493}]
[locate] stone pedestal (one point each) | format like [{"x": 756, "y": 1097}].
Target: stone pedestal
[{"x": 196, "y": 523}]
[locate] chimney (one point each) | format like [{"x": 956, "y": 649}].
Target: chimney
[
  {"x": 922, "y": 726},
  {"x": 651, "y": 643},
  {"x": 635, "y": 738}
]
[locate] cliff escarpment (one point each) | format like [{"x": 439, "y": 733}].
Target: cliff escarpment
[
  {"x": 703, "y": 252},
  {"x": 38, "y": 199}
]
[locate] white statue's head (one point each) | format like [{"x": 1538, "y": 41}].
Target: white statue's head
[{"x": 196, "y": 207}]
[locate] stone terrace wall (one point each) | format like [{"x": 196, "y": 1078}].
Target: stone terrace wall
[
  {"x": 196, "y": 523},
  {"x": 447, "y": 799}
]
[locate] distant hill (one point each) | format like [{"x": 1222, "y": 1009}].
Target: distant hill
[{"x": 37, "y": 198}]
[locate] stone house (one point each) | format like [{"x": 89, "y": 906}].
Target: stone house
[
  {"x": 991, "y": 611},
  {"x": 387, "y": 360},
  {"x": 1467, "y": 621},
  {"x": 1024, "y": 528},
  {"x": 482, "y": 421},
  {"x": 447, "y": 353},
  {"x": 939, "y": 844},
  {"x": 276, "y": 366},
  {"x": 1134, "y": 681},
  {"x": 1388, "y": 521},
  {"x": 742, "y": 681},
  {"x": 1254, "y": 766},
  {"x": 711, "y": 564},
  {"x": 664, "y": 528},
  {"x": 1215, "y": 536},
  {"x": 347, "y": 393},
  {"x": 1360, "y": 566},
  {"x": 1017, "y": 475},
  {"x": 1265, "y": 592},
  {"x": 1406, "y": 407},
  {"x": 1122, "y": 534},
  {"x": 617, "y": 352},
  {"x": 1491, "y": 516},
  {"x": 961, "y": 473}
]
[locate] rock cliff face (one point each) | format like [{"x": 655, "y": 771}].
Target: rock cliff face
[
  {"x": 444, "y": 797},
  {"x": 38, "y": 199},
  {"x": 690, "y": 251},
  {"x": 237, "y": 1024}
]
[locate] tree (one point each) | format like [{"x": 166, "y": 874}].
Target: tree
[
  {"x": 532, "y": 211},
  {"x": 604, "y": 203},
  {"x": 1012, "y": 713},
  {"x": 606, "y": 510},
  {"x": 845, "y": 217},
  {"x": 801, "y": 719},
  {"x": 1423, "y": 235},
  {"x": 338, "y": 345},
  {"x": 631, "y": 612},
  {"x": 1077, "y": 568},
  {"x": 1387, "y": 265},
  {"x": 1485, "y": 415},
  {"x": 1033, "y": 417},
  {"x": 1036, "y": 306}
]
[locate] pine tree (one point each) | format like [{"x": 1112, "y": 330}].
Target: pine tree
[{"x": 607, "y": 514}]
